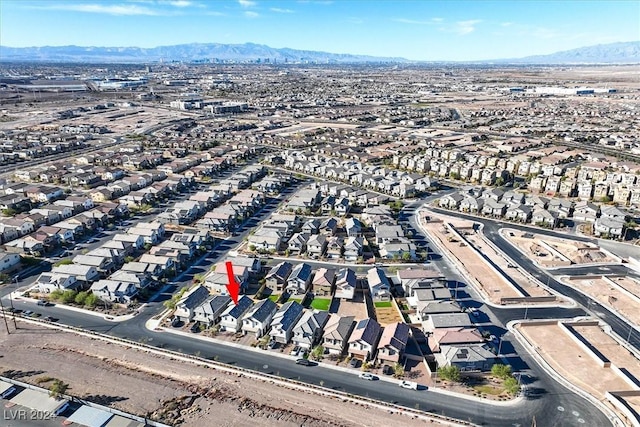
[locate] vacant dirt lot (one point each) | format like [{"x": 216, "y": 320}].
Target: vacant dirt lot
[
  {"x": 550, "y": 252},
  {"x": 494, "y": 284},
  {"x": 178, "y": 393}
]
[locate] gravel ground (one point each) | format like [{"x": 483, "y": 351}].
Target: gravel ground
[{"x": 175, "y": 392}]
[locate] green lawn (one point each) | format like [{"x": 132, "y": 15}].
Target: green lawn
[
  {"x": 382, "y": 304},
  {"x": 274, "y": 298},
  {"x": 321, "y": 304},
  {"x": 489, "y": 389}
]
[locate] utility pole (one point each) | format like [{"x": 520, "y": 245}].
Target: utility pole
[{"x": 4, "y": 317}]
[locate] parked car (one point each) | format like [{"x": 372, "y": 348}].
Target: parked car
[
  {"x": 305, "y": 362},
  {"x": 367, "y": 376},
  {"x": 354, "y": 363},
  {"x": 296, "y": 351},
  {"x": 44, "y": 303},
  {"x": 272, "y": 344},
  {"x": 27, "y": 313},
  {"x": 49, "y": 319},
  {"x": 195, "y": 328},
  {"x": 409, "y": 384},
  {"x": 387, "y": 370}
]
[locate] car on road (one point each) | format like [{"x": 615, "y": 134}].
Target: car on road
[
  {"x": 27, "y": 313},
  {"x": 367, "y": 376},
  {"x": 44, "y": 303},
  {"x": 304, "y": 362},
  {"x": 49, "y": 319},
  {"x": 408, "y": 384}
]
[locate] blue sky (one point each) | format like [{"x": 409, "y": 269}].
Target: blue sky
[{"x": 418, "y": 30}]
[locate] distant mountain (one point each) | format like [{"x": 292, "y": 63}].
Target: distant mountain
[
  {"x": 184, "y": 52},
  {"x": 613, "y": 53}
]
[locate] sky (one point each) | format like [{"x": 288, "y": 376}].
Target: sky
[{"x": 417, "y": 30}]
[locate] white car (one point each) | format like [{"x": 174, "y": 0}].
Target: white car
[
  {"x": 367, "y": 376},
  {"x": 409, "y": 384}
]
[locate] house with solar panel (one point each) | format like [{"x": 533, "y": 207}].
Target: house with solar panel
[{"x": 285, "y": 320}]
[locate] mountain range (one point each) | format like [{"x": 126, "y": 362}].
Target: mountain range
[{"x": 614, "y": 53}]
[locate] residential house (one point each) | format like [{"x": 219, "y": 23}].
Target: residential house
[
  {"x": 337, "y": 331},
  {"x": 298, "y": 243},
  {"x": 8, "y": 261},
  {"x": 467, "y": 357},
  {"x": 353, "y": 227},
  {"x": 308, "y": 331},
  {"x": 312, "y": 226},
  {"x": 379, "y": 285},
  {"x": 299, "y": 279},
  {"x": 49, "y": 282},
  {"x": 393, "y": 342},
  {"x": 586, "y": 211},
  {"x": 353, "y": 248},
  {"x": 276, "y": 278},
  {"x": 323, "y": 281},
  {"x": 364, "y": 339},
  {"x": 210, "y": 311},
  {"x": 285, "y": 320},
  {"x": 103, "y": 264},
  {"x": 85, "y": 274},
  {"x": 231, "y": 319},
  {"x": 335, "y": 247},
  {"x": 139, "y": 280},
  {"x": 189, "y": 302},
  {"x": 258, "y": 318},
  {"x": 114, "y": 291},
  {"x": 316, "y": 246},
  {"x": 346, "y": 282},
  {"x": 609, "y": 227}
]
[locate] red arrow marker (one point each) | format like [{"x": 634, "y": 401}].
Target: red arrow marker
[{"x": 233, "y": 287}]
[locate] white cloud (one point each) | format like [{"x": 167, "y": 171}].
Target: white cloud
[
  {"x": 180, "y": 3},
  {"x": 431, "y": 21},
  {"x": 246, "y": 3},
  {"x": 280, "y": 10},
  {"x": 108, "y": 9},
  {"x": 250, "y": 14},
  {"x": 506, "y": 24},
  {"x": 465, "y": 27}
]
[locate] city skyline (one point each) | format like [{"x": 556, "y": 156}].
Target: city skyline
[{"x": 428, "y": 31}]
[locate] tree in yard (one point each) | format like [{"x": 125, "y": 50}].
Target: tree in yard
[
  {"x": 57, "y": 389},
  {"x": 406, "y": 256},
  {"x": 128, "y": 258},
  {"x": 398, "y": 370},
  {"x": 511, "y": 385},
  {"x": 501, "y": 371},
  {"x": 449, "y": 373},
  {"x": 317, "y": 352}
]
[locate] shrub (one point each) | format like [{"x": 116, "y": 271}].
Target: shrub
[
  {"x": 450, "y": 373},
  {"x": 501, "y": 371}
]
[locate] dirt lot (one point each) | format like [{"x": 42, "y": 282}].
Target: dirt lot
[
  {"x": 356, "y": 307},
  {"x": 607, "y": 291},
  {"x": 573, "y": 363},
  {"x": 550, "y": 252},
  {"x": 493, "y": 283},
  {"x": 179, "y": 393},
  {"x": 388, "y": 315}
]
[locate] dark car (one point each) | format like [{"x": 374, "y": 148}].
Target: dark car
[
  {"x": 49, "y": 319},
  {"x": 387, "y": 370},
  {"x": 304, "y": 362},
  {"x": 354, "y": 363},
  {"x": 44, "y": 303}
]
